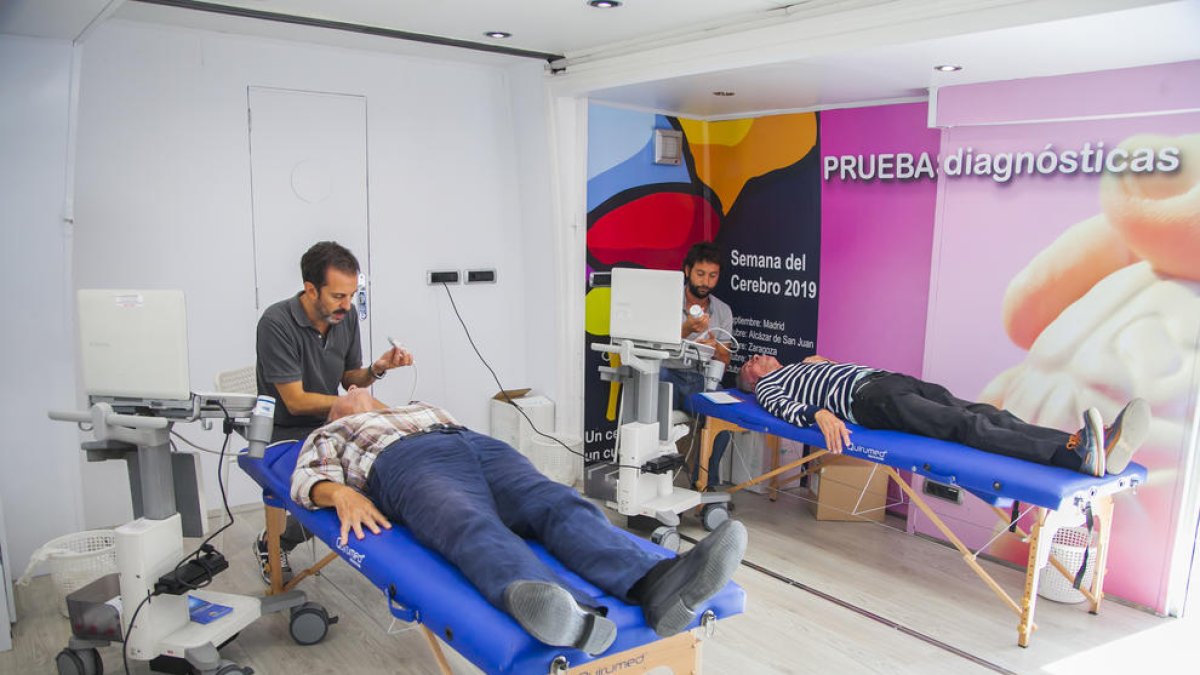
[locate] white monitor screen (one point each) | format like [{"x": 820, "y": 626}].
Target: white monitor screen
[
  {"x": 134, "y": 344},
  {"x": 646, "y": 305}
]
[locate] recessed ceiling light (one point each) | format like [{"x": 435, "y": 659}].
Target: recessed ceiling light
[
  {"x": 723, "y": 93},
  {"x": 498, "y": 34},
  {"x": 947, "y": 68},
  {"x": 604, "y": 4}
]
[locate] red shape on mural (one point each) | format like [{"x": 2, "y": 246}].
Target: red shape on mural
[{"x": 654, "y": 231}]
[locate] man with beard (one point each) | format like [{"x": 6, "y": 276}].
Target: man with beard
[
  {"x": 307, "y": 346},
  {"x": 706, "y": 319}
]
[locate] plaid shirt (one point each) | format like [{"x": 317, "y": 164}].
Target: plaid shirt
[{"x": 344, "y": 450}]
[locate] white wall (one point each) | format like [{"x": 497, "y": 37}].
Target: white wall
[
  {"x": 163, "y": 200},
  {"x": 39, "y": 482}
]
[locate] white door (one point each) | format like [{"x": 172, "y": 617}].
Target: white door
[
  {"x": 8, "y": 610},
  {"x": 308, "y": 167}
]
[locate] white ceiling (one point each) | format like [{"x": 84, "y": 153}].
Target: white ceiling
[{"x": 670, "y": 55}]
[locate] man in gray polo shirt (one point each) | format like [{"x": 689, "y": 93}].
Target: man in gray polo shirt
[
  {"x": 705, "y": 319},
  {"x": 308, "y": 346}
]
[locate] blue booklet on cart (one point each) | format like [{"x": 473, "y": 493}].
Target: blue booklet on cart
[{"x": 203, "y": 611}]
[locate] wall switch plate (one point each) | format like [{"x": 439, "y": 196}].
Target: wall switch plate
[
  {"x": 481, "y": 276},
  {"x": 443, "y": 277},
  {"x": 668, "y": 146}
]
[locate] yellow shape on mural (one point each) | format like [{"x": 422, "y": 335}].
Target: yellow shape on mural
[
  {"x": 727, "y": 154},
  {"x": 727, "y": 132},
  {"x": 596, "y": 309}
]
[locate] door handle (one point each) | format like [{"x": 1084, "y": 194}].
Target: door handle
[{"x": 361, "y": 297}]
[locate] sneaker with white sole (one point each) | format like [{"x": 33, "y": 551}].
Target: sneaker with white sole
[
  {"x": 264, "y": 560},
  {"x": 1088, "y": 443},
  {"x": 1126, "y": 435}
]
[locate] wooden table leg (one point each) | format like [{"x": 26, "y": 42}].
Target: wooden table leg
[
  {"x": 1102, "y": 510},
  {"x": 712, "y": 427},
  {"x": 1025, "y": 627},
  {"x": 276, "y": 521}
]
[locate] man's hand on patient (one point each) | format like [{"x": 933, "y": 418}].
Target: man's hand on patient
[
  {"x": 837, "y": 436},
  {"x": 354, "y": 509}
]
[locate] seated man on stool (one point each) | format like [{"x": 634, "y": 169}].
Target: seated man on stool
[
  {"x": 826, "y": 392},
  {"x": 474, "y": 499}
]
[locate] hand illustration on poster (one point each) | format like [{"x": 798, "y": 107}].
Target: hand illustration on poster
[
  {"x": 1110, "y": 311},
  {"x": 1113, "y": 305}
]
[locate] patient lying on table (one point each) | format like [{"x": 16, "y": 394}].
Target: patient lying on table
[
  {"x": 473, "y": 499},
  {"x": 826, "y": 392}
]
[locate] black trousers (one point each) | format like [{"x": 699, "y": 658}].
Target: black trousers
[{"x": 902, "y": 403}]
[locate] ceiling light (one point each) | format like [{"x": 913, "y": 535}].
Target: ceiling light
[
  {"x": 947, "y": 68},
  {"x": 498, "y": 34},
  {"x": 723, "y": 93},
  {"x": 604, "y": 4}
]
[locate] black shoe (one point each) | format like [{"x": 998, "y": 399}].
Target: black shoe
[
  {"x": 264, "y": 560},
  {"x": 550, "y": 614},
  {"x": 670, "y": 600}
]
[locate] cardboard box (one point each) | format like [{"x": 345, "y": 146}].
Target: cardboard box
[
  {"x": 507, "y": 424},
  {"x": 837, "y": 484}
]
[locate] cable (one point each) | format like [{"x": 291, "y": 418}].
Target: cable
[
  {"x": 505, "y": 391},
  {"x": 181, "y": 437},
  {"x": 228, "y": 428},
  {"x": 129, "y": 633},
  {"x": 732, "y": 349},
  {"x": 412, "y": 393}
]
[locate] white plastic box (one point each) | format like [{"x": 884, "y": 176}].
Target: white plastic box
[{"x": 507, "y": 423}]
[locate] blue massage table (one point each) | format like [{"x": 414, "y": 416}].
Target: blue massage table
[
  {"x": 422, "y": 587},
  {"x": 1059, "y": 497}
]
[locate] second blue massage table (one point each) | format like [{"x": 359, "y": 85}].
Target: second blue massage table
[
  {"x": 420, "y": 586},
  {"x": 1060, "y": 497}
]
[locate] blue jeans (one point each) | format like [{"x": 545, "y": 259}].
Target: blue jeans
[
  {"x": 475, "y": 499},
  {"x": 684, "y": 383}
]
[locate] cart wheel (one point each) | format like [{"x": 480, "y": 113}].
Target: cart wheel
[
  {"x": 712, "y": 515},
  {"x": 231, "y": 668},
  {"x": 79, "y": 662},
  {"x": 310, "y": 623},
  {"x": 667, "y": 537}
]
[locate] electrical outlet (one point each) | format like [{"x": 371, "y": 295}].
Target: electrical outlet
[
  {"x": 481, "y": 276},
  {"x": 443, "y": 277}
]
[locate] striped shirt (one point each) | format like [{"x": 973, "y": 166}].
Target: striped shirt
[
  {"x": 344, "y": 450},
  {"x": 797, "y": 391}
]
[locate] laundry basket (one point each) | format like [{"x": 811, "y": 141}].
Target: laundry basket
[
  {"x": 75, "y": 560},
  {"x": 558, "y": 463},
  {"x": 1068, "y": 547}
]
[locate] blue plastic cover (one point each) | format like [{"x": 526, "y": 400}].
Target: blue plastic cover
[
  {"x": 443, "y": 599},
  {"x": 996, "y": 479}
]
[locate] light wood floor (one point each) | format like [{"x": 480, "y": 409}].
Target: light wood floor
[{"x": 823, "y": 597}]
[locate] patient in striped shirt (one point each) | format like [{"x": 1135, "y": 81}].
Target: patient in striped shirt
[{"x": 818, "y": 390}]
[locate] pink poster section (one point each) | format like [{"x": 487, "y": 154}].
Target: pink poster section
[
  {"x": 877, "y": 209},
  {"x": 876, "y": 234},
  {"x": 1068, "y": 284}
]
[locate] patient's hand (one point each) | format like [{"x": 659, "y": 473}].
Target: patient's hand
[
  {"x": 354, "y": 509},
  {"x": 837, "y": 436}
]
